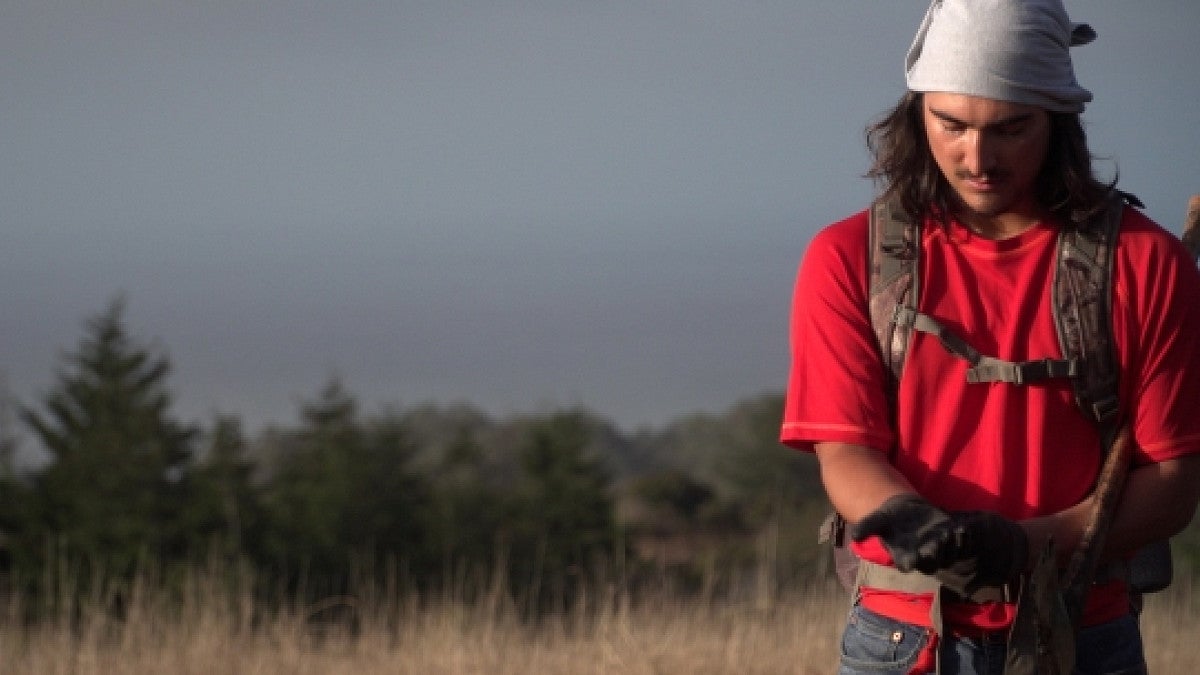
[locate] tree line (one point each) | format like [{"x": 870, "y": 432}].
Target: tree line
[{"x": 425, "y": 496}]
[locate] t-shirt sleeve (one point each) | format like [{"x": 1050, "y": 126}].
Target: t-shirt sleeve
[
  {"x": 1157, "y": 321},
  {"x": 835, "y": 389}
]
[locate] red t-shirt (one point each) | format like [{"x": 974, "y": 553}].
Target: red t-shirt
[{"x": 1021, "y": 451}]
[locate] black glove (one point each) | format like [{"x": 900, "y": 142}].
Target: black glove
[
  {"x": 987, "y": 550},
  {"x": 918, "y": 535},
  {"x": 965, "y": 550}
]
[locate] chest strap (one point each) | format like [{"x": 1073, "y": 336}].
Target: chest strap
[{"x": 985, "y": 368}]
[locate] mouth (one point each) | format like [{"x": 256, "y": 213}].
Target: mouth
[{"x": 984, "y": 183}]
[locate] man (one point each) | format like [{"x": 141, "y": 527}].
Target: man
[{"x": 965, "y": 483}]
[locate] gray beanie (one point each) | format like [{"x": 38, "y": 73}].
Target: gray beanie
[{"x": 1009, "y": 50}]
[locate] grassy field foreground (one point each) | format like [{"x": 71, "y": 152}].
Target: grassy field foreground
[{"x": 209, "y": 631}]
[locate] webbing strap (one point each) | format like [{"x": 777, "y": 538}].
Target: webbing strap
[
  {"x": 985, "y": 368},
  {"x": 996, "y": 370},
  {"x": 887, "y": 578}
]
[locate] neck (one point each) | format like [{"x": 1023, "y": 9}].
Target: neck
[{"x": 1000, "y": 226}]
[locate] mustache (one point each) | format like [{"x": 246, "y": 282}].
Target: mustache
[{"x": 988, "y": 176}]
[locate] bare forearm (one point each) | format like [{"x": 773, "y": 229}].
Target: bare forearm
[
  {"x": 858, "y": 479},
  {"x": 1158, "y": 500}
]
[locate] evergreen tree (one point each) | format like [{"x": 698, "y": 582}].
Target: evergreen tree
[
  {"x": 765, "y": 476},
  {"x": 563, "y": 523},
  {"x": 115, "y": 484},
  {"x": 469, "y": 505},
  {"x": 226, "y": 501},
  {"x": 345, "y": 497},
  {"x": 388, "y": 520},
  {"x": 311, "y": 486},
  {"x": 777, "y": 490},
  {"x": 9, "y": 439}
]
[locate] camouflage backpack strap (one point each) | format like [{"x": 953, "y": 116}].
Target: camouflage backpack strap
[
  {"x": 1082, "y": 297},
  {"x": 894, "y": 285}
]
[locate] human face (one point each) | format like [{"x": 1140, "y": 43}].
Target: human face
[{"x": 990, "y": 152}]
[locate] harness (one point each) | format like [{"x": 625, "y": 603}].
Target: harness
[{"x": 1082, "y": 311}]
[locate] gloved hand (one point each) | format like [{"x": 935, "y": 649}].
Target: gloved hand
[
  {"x": 918, "y": 535},
  {"x": 966, "y": 550},
  {"x": 988, "y": 550}
]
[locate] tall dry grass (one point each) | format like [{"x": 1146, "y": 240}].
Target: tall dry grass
[{"x": 202, "y": 627}]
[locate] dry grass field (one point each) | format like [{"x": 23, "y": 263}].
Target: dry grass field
[{"x": 205, "y": 630}]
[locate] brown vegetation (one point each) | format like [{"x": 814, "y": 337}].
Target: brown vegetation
[{"x": 203, "y": 628}]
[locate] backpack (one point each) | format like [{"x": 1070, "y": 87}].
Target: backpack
[{"x": 1082, "y": 309}]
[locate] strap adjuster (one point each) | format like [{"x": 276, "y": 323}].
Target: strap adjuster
[{"x": 1106, "y": 408}]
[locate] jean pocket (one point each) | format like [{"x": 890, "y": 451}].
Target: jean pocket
[{"x": 878, "y": 645}]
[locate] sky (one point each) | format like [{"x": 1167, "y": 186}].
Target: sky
[{"x": 516, "y": 204}]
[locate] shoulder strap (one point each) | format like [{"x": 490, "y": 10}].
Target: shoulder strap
[
  {"x": 894, "y": 250},
  {"x": 1082, "y": 297}
]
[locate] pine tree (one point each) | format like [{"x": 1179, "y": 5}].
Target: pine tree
[
  {"x": 390, "y": 518},
  {"x": 225, "y": 500},
  {"x": 310, "y": 488},
  {"x": 9, "y": 439},
  {"x": 563, "y": 522},
  {"x": 468, "y": 505},
  {"x": 345, "y": 495},
  {"x": 115, "y": 482}
]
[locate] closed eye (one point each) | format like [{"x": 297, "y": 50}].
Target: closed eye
[{"x": 1009, "y": 127}]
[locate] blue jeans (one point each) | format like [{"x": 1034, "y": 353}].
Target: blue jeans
[{"x": 876, "y": 645}]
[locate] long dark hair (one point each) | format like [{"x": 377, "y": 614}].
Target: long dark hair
[{"x": 905, "y": 169}]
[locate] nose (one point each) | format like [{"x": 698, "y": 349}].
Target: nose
[{"x": 979, "y": 157}]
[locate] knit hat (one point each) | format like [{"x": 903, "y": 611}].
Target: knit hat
[{"x": 1009, "y": 50}]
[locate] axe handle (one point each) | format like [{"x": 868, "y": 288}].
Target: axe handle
[
  {"x": 1191, "y": 227},
  {"x": 1082, "y": 567}
]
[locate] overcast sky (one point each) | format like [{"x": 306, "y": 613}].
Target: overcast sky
[{"x": 515, "y": 204}]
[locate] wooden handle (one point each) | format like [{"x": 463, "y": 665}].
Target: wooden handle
[
  {"x": 1081, "y": 569},
  {"x": 1191, "y": 227}
]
